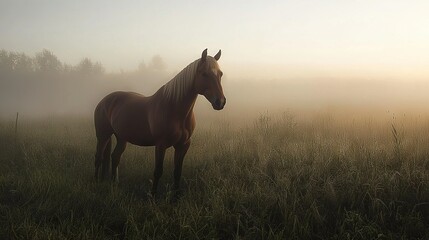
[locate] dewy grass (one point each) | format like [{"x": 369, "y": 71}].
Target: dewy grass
[{"x": 283, "y": 177}]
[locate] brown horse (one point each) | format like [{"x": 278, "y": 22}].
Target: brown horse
[{"x": 162, "y": 120}]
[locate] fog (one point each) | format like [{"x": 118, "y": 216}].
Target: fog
[{"x": 42, "y": 85}]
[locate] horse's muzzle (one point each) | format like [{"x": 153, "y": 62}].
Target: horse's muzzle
[{"x": 219, "y": 103}]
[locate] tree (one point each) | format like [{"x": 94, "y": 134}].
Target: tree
[
  {"x": 87, "y": 67},
  {"x": 13, "y": 62},
  {"x": 23, "y": 63},
  {"x": 6, "y": 63},
  {"x": 142, "y": 67},
  {"x": 47, "y": 62},
  {"x": 157, "y": 63}
]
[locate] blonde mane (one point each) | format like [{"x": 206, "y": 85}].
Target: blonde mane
[{"x": 182, "y": 83}]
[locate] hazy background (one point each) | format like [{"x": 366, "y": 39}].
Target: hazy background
[{"x": 61, "y": 57}]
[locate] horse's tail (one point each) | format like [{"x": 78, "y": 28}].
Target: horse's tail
[{"x": 103, "y": 131}]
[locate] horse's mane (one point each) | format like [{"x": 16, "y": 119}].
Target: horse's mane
[{"x": 182, "y": 83}]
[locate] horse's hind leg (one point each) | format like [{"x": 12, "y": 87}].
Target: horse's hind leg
[
  {"x": 102, "y": 146},
  {"x": 116, "y": 157},
  {"x": 105, "y": 163}
]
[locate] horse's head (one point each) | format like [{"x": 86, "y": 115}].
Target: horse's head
[{"x": 208, "y": 80}]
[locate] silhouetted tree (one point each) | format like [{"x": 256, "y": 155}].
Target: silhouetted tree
[
  {"x": 13, "y": 64},
  {"x": 157, "y": 63},
  {"x": 47, "y": 62},
  {"x": 87, "y": 67},
  {"x": 142, "y": 67},
  {"x": 67, "y": 68},
  {"x": 23, "y": 63},
  {"x": 6, "y": 62}
]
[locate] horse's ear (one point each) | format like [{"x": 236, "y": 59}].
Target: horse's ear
[
  {"x": 204, "y": 55},
  {"x": 217, "y": 56}
]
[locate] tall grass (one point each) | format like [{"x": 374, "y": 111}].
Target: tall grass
[{"x": 282, "y": 177}]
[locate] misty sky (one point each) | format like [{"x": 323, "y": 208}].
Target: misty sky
[{"x": 386, "y": 39}]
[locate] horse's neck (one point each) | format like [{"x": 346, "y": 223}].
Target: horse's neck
[
  {"x": 186, "y": 105},
  {"x": 183, "y": 107},
  {"x": 178, "y": 95}
]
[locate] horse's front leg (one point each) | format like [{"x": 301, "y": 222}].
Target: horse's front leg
[
  {"x": 180, "y": 151},
  {"x": 159, "y": 162}
]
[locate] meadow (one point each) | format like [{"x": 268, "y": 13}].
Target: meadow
[{"x": 322, "y": 175}]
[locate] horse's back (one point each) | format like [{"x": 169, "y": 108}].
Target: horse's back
[{"x": 109, "y": 106}]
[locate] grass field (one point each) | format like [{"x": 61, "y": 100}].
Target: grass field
[{"x": 283, "y": 176}]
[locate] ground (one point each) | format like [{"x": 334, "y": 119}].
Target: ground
[{"x": 282, "y": 176}]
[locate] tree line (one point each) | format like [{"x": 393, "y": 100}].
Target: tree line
[
  {"x": 44, "y": 62},
  {"x": 44, "y": 84}
]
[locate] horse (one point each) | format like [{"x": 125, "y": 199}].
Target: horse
[{"x": 165, "y": 119}]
